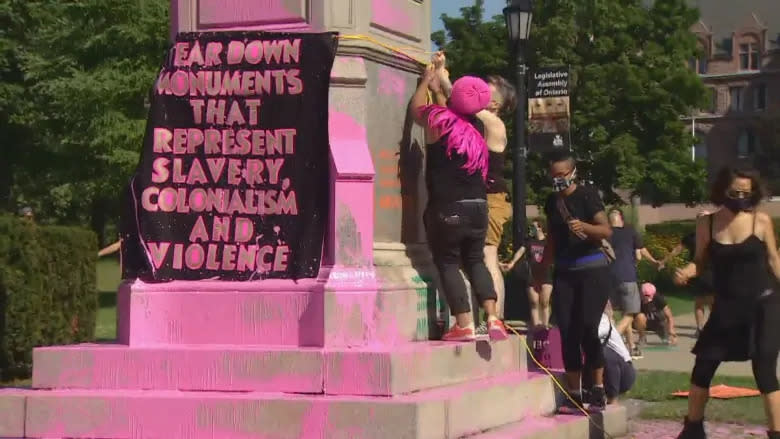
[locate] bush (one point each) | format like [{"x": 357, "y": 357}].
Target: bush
[{"x": 48, "y": 292}]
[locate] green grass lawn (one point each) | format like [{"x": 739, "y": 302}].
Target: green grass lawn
[
  {"x": 108, "y": 278},
  {"x": 656, "y": 387}
]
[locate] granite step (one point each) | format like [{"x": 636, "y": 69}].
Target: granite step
[
  {"x": 448, "y": 412},
  {"x": 379, "y": 371}
]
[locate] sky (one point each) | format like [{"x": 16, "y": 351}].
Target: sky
[{"x": 452, "y": 8}]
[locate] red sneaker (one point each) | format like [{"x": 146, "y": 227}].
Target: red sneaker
[
  {"x": 456, "y": 333},
  {"x": 497, "y": 330}
]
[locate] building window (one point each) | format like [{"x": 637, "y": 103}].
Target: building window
[
  {"x": 737, "y": 98},
  {"x": 747, "y": 143},
  {"x": 759, "y": 97},
  {"x": 713, "y": 100},
  {"x": 748, "y": 56},
  {"x": 700, "y": 148},
  {"x": 703, "y": 65}
]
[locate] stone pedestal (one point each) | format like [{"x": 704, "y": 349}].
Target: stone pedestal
[{"x": 345, "y": 355}]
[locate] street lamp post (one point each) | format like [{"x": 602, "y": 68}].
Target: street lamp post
[{"x": 518, "y": 15}]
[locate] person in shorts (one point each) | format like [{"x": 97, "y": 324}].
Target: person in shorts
[
  {"x": 655, "y": 316},
  {"x": 540, "y": 276},
  {"x": 629, "y": 250}
]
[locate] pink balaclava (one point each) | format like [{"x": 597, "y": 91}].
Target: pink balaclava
[
  {"x": 648, "y": 291},
  {"x": 470, "y": 95}
]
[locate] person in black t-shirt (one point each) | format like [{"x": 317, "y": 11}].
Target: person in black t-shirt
[
  {"x": 577, "y": 224},
  {"x": 701, "y": 287},
  {"x": 655, "y": 316}
]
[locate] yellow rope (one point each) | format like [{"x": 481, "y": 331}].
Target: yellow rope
[
  {"x": 399, "y": 50},
  {"x": 558, "y": 383}
]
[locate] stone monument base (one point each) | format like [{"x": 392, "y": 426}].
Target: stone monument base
[{"x": 272, "y": 377}]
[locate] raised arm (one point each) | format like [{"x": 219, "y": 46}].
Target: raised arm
[
  {"x": 420, "y": 97},
  {"x": 495, "y": 130}
]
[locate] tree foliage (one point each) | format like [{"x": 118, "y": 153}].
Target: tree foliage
[
  {"x": 630, "y": 85},
  {"x": 81, "y": 73}
]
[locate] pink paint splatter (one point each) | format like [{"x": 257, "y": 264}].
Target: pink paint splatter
[{"x": 392, "y": 83}]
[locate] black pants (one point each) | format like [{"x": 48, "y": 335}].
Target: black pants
[
  {"x": 578, "y": 300},
  {"x": 619, "y": 375},
  {"x": 456, "y": 235},
  {"x": 764, "y": 371}
]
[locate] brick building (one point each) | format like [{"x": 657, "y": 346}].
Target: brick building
[{"x": 740, "y": 65}]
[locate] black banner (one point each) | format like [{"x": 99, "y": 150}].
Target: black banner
[
  {"x": 549, "y": 110},
  {"x": 233, "y": 179}
]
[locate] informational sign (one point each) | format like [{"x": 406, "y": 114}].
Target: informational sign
[
  {"x": 233, "y": 178},
  {"x": 549, "y": 110}
]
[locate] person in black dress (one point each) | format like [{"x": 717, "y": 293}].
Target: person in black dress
[
  {"x": 577, "y": 224},
  {"x": 738, "y": 243}
]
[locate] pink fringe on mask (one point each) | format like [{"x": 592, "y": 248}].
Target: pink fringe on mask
[{"x": 461, "y": 137}]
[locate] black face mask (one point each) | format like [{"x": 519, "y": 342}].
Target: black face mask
[{"x": 738, "y": 204}]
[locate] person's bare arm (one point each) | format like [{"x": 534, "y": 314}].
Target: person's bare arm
[
  {"x": 495, "y": 131},
  {"x": 645, "y": 253},
  {"x": 771, "y": 243},
  {"x": 672, "y": 254},
  {"x": 670, "y": 324},
  {"x": 518, "y": 255},
  {"x": 420, "y": 97},
  {"x": 113, "y": 248}
]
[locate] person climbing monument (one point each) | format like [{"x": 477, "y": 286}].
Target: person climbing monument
[
  {"x": 503, "y": 101},
  {"x": 456, "y": 218}
]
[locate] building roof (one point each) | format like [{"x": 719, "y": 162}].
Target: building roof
[{"x": 723, "y": 17}]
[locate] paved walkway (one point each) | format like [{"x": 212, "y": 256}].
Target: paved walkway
[
  {"x": 648, "y": 429},
  {"x": 658, "y": 356}
]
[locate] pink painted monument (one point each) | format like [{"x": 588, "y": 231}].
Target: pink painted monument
[{"x": 342, "y": 354}]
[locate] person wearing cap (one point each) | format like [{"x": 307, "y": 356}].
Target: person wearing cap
[
  {"x": 27, "y": 214},
  {"x": 456, "y": 217},
  {"x": 655, "y": 315}
]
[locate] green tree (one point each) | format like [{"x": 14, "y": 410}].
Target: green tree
[
  {"x": 88, "y": 68},
  {"x": 629, "y": 84}
]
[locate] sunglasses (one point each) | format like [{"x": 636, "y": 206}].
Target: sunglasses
[{"x": 732, "y": 193}]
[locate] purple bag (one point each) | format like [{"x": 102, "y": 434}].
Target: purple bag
[{"x": 546, "y": 346}]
